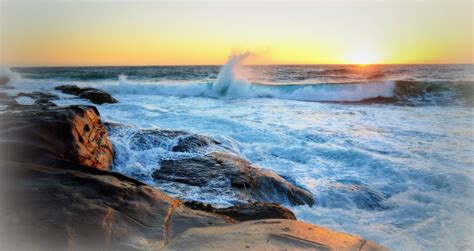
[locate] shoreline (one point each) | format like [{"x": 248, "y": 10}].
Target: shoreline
[{"x": 66, "y": 150}]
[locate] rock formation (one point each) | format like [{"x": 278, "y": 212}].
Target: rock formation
[
  {"x": 56, "y": 137},
  {"x": 247, "y": 180},
  {"x": 96, "y": 96}
]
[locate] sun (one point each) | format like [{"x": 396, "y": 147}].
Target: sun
[{"x": 363, "y": 57}]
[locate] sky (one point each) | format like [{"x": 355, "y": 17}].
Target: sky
[{"x": 82, "y": 33}]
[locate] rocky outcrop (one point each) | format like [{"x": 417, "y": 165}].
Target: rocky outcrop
[
  {"x": 46, "y": 208},
  {"x": 56, "y": 136},
  {"x": 96, "y": 96},
  {"x": 248, "y": 211},
  {"x": 269, "y": 235},
  {"x": 248, "y": 181}
]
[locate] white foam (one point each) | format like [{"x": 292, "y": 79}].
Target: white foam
[{"x": 25, "y": 100}]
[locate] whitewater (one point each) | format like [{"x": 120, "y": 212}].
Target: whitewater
[{"x": 386, "y": 150}]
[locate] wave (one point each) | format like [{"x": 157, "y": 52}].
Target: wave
[
  {"x": 378, "y": 92},
  {"x": 231, "y": 84}
]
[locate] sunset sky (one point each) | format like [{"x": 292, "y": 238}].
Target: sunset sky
[{"x": 54, "y": 33}]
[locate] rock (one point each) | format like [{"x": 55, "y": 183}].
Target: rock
[
  {"x": 69, "y": 89},
  {"x": 248, "y": 181},
  {"x": 46, "y": 208},
  {"x": 350, "y": 193},
  {"x": 269, "y": 235},
  {"x": 56, "y": 136},
  {"x": 41, "y": 98},
  {"x": 248, "y": 211},
  {"x": 96, "y": 96},
  {"x": 193, "y": 142}
]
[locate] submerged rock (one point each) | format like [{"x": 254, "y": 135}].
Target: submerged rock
[
  {"x": 248, "y": 211},
  {"x": 193, "y": 142},
  {"x": 96, "y": 96},
  {"x": 269, "y": 235},
  {"x": 56, "y": 136},
  {"x": 40, "y": 98},
  {"x": 248, "y": 181},
  {"x": 350, "y": 193}
]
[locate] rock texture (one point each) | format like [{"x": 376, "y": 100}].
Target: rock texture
[
  {"x": 45, "y": 208},
  {"x": 192, "y": 142},
  {"x": 96, "y": 96},
  {"x": 247, "y": 180},
  {"x": 269, "y": 235},
  {"x": 247, "y": 212},
  {"x": 56, "y": 136}
]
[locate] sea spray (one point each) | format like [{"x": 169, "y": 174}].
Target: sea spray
[
  {"x": 7, "y": 73},
  {"x": 228, "y": 80},
  {"x": 123, "y": 79}
]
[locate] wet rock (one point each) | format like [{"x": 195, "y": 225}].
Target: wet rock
[
  {"x": 248, "y": 211},
  {"x": 69, "y": 89},
  {"x": 153, "y": 138},
  {"x": 41, "y": 98},
  {"x": 192, "y": 143},
  {"x": 248, "y": 181},
  {"x": 96, "y": 96},
  {"x": 269, "y": 235},
  {"x": 348, "y": 194},
  {"x": 178, "y": 141},
  {"x": 55, "y": 136}
]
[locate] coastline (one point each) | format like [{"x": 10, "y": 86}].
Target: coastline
[{"x": 57, "y": 165}]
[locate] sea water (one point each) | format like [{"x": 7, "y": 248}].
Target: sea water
[{"x": 386, "y": 150}]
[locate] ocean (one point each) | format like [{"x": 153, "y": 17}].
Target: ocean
[{"x": 387, "y": 150}]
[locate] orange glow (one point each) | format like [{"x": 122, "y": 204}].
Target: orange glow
[{"x": 62, "y": 33}]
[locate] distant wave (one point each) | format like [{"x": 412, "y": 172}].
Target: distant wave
[{"x": 230, "y": 84}]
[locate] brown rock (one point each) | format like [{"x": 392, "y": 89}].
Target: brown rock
[
  {"x": 248, "y": 211},
  {"x": 269, "y": 235},
  {"x": 44, "y": 208},
  {"x": 56, "y": 136}
]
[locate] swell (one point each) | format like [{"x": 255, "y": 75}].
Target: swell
[{"x": 379, "y": 92}]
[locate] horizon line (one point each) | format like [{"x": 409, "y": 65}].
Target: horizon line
[{"x": 212, "y": 65}]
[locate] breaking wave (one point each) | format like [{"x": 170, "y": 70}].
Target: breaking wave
[{"x": 231, "y": 84}]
